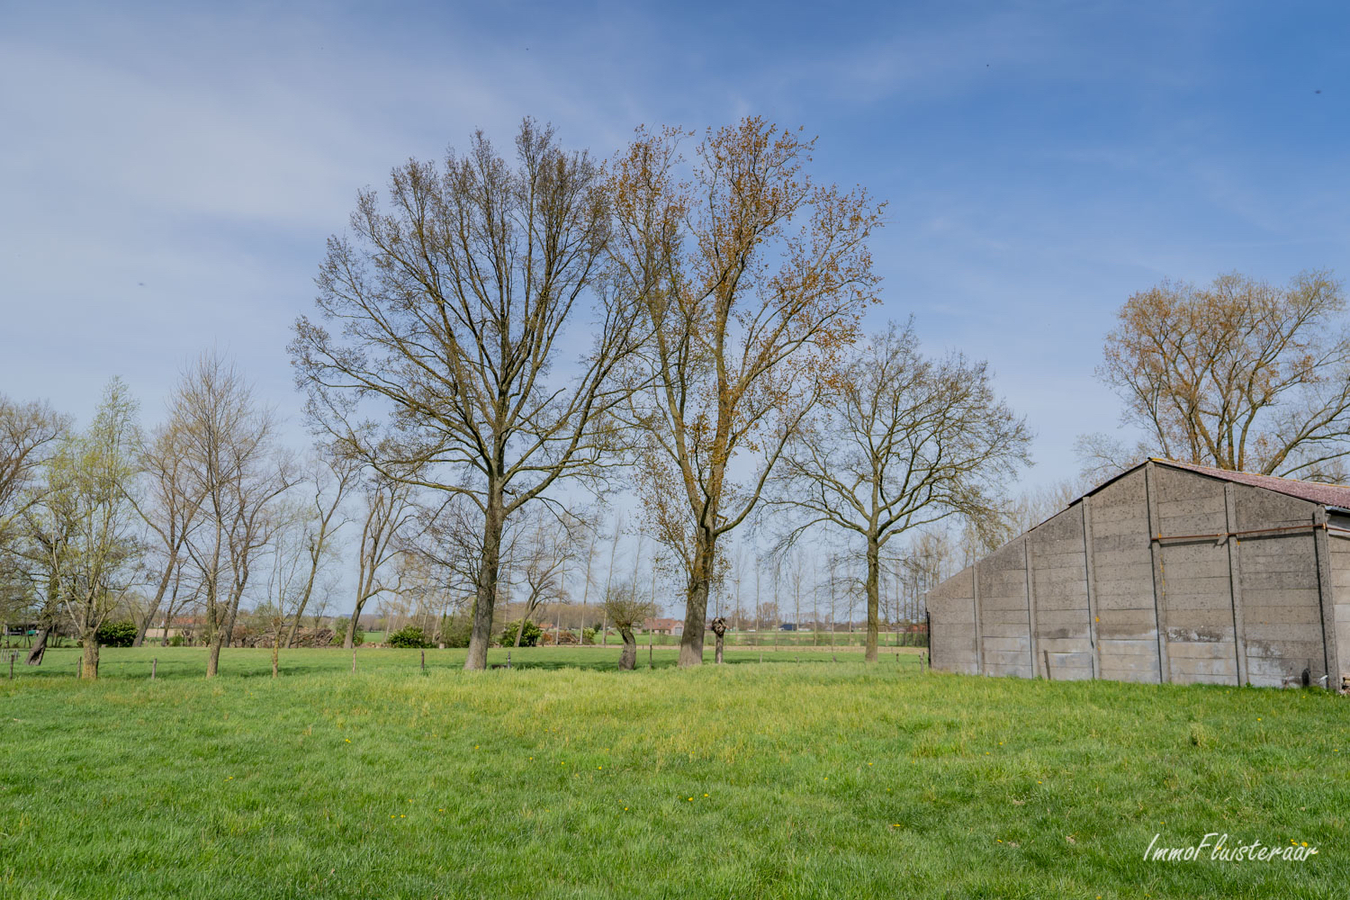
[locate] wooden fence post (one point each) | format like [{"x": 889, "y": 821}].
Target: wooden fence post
[
  {"x": 424, "y": 662},
  {"x": 154, "y": 666}
]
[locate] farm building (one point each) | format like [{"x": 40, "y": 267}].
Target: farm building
[{"x": 1169, "y": 572}]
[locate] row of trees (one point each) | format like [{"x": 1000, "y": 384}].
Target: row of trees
[
  {"x": 495, "y": 339},
  {"x": 196, "y": 515},
  {"x": 499, "y": 333}
]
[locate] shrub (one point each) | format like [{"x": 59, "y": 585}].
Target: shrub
[
  {"x": 116, "y": 634},
  {"x": 340, "y": 633},
  {"x": 408, "y": 637},
  {"x": 529, "y": 639},
  {"x": 177, "y": 641},
  {"x": 588, "y": 635}
]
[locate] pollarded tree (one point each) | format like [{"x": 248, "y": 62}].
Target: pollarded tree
[
  {"x": 1240, "y": 375},
  {"x": 900, "y": 441},
  {"x": 751, "y": 276},
  {"x": 626, "y": 608},
  {"x": 454, "y": 306}
]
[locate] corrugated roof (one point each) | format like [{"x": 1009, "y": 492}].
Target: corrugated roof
[{"x": 1312, "y": 491}]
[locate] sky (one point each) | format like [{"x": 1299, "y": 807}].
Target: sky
[{"x": 172, "y": 171}]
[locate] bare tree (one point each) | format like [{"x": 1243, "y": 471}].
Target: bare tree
[
  {"x": 329, "y": 477},
  {"x": 454, "y": 307},
  {"x": 901, "y": 441},
  {"x": 626, "y": 608},
  {"x": 750, "y": 275},
  {"x": 1241, "y": 375},
  {"x": 231, "y": 461},
  {"x": 169, "y": 510},
  {"x": 388, "y": 513},
  {"x": 28, "y": 431},
  {"x": 549, "y": 544}
]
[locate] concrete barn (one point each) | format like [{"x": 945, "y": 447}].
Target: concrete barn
[{"x": 1169, "y": 572}]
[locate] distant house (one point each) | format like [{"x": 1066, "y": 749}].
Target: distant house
[
  {"x": 664, "y": 626},
  {"x": 788, "y": 626}
]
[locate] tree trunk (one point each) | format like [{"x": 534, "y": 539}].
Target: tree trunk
[
  {"x": 213, "y": 653},
  {"x": 873, "y": 598},
  {"x": 719, "y": 649},
  {"x": 154, "y": 606},
  {"x": 696, "y": 602},
  {"x": 276, "y": 651},
  {"x": 628, "y": 659},
  {"x": 349, "y": 639},
  {"x": 89, "y": 665},
  {"x": 39, "y": 647},
  {"x": 485, "y": 596}
]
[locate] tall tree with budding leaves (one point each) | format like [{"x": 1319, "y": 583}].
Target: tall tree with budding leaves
[{"x": 751, "y": 277}]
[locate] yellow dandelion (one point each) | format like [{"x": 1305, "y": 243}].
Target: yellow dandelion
[
  {"x": 691, "y": 799},
  {"x": 705, "y": 795},
  {"x": 348, "y": 740},
  {"x": 1304, "y": 844}
]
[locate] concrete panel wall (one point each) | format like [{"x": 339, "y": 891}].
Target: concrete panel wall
[
  {"x": 1197, "y": 588},
  {"x": 1005, "y": 621},
  {"x": 1059, "y": 592},
  {"x": 1281, "y": 608},
  {"x": 1127, "y": 627},
  {"x": 951, "y": 613}
]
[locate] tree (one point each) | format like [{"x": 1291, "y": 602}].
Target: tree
[
  {"x": 328, "y": 479},
  {"x": 87, "y": 512},
  {"x": 169, "y": 510},
  {"x": 388, "y": 513},
  {"x": 454, "y": 306},
  {"x": 1241, "y": 375},
  {"x": 751, "y": 276},
  {"x": 232, "y": 462},
  {"x": 900, "y": 441},
  {"x": 28, "y": 431},
  {"x": 626, "y": 608},
  {"x": 549, "y": 545}
]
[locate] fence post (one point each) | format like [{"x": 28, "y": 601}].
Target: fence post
[
  {"x": 154, "y": 666},
  {"x": 508, "y": 659},
  {"x": 424, "y": 662},
  {"x": 79, "y": 667},
  {"x": 12, "y": 656}
]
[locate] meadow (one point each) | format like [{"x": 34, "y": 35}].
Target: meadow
[{"x": 562, "y": 778}]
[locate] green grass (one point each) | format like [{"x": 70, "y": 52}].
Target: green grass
[{"x": 561, "y": 778}]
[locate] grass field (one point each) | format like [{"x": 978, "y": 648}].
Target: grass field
[{"x": 562, "y": 778}]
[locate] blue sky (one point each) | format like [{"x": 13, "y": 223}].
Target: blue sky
[{"x": 171, "y": 171}]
